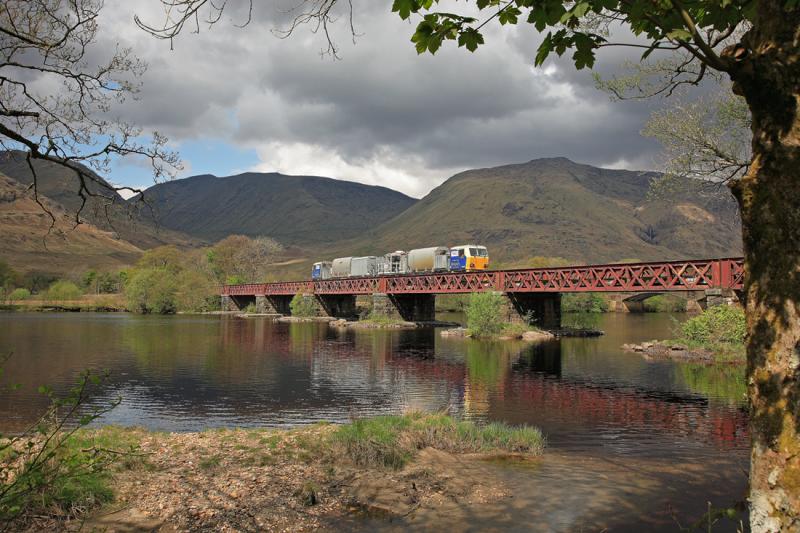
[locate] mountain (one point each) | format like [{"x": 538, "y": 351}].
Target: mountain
[
  {"x": 557, "y": 208},
  {"x": 28, "y": 243},
  {"x": 294, "y": 210},
  {"x": 111, "y": 213}
]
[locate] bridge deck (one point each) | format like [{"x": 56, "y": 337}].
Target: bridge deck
[{"x": 692, "y": 275}]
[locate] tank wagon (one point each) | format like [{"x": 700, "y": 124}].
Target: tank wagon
[{"x": 467, "y": 257}]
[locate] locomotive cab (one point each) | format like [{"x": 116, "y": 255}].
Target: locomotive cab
[
  {"x": 321, "y": 270},
  {"x": 469, "y": 257}
]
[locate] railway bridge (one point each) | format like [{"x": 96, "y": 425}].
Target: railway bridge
[{"x": 533, "y": 293}]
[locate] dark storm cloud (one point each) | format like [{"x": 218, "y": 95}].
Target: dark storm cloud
[{"x": 383, "y": 113}]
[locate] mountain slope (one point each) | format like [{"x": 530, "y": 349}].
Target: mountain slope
[
  {"x": 558, "y": 208},
  {"x": 61, "y": 185},
  {"x": 26, "y": 244},
  {"x": 295, "y": 210}
]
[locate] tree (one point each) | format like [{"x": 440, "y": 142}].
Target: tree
[
  {"x": 52, "y": 43},
  {"x": 242, "y": 258},
  {"x": 754, "y": 43}
]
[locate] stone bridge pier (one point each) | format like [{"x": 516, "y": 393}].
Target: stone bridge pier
[
  {"x": 541, "y": 309},
  {"x": 408, "y": 307},
  {"x": 334, "y": 305}
]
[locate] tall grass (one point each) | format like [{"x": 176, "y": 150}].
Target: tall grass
[{"x": 393, "y": 440}]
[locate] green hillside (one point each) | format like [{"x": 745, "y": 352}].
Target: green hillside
[
  {"x": 111, "y": 213},
  {"x": 557, "y": 208},
  {"x": 295, "y": 210}
]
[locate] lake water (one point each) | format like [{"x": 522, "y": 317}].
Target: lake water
[{"x": 632, "y": 444}]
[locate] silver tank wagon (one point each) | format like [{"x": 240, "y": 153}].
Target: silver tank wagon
[
  {"x": 340, "y": 267},
  {"x": 432, "y": 259}
]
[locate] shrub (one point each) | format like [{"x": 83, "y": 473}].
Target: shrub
[
  {"x": 19, "y": 294},
  {"x": 195, "y": 292},
  {"x": 151, "y": 290},
  {"x": 63, "y": 290},
  {"x": 484, "y": 314},
  {"x": 587, "y": 302},
  {"x": 56, "y": 465},
  {"x": 665, "y": 303},
  {"x": 722, "y": 324},
  {"x": 303, "y": 306}
]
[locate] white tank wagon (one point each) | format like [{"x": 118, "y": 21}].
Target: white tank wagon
[
  {"x": 369, "y": 265},
  {"x": 395, "y": 263},
  {"x": 340, "y": 267},
  {"x": 432, "y": 259}
]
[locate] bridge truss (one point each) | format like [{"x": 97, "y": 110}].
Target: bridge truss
[{"x": 651, "y": 277}]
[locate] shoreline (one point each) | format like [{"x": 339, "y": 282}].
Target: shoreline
[{"x": 293, "y": 479}]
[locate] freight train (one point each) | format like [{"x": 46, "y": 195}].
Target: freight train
[{"x": 467, "y": 257}]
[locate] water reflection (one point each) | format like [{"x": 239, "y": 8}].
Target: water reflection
[
  {"x": 189, "y": 373},
  {"x": 601, "y": 409}
]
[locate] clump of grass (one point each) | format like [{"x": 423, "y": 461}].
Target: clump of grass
[
  {"x": 210, "y": 462},
  {"x": 308, "y": 493},
  {"x": 392, "y": 441},
  {"x": 381, "y": 320}
]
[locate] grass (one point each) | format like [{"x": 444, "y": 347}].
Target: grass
[
  {"x": 392, "y": 441},
  {"x": 376, "y": 319}
]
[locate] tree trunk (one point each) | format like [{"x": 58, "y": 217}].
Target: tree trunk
[{"x": 767, "y": 74}]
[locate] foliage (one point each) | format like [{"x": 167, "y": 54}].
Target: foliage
[
  {"x": 8, "y": 277},
  {"x": 151, "y": 290},
  {"x": 303, "y": 306},
  {"x": 665, "y": 303},
  {"x": 61, "y": 291},
  {"x": 195, "y": 292},
  {"x": 251, "y": 308},
  {"x": 721, "y": 324},
  {"x": 167, "y": 258},
  {"x": 36, "y": 281},
  {"x": 708, "y": 138},
  {"x": 88, "y": 280},
  {"x": 484, "y": 314},
  {"x": 53, "y": 464},
  {"x": 19, "y": 294},
  {"x": 242, "y": 258},
  {"x": 587, "y": 302},
  {"x": 391, "y": 441}
]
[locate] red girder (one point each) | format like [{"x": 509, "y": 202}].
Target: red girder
[{"x": 633, "y": 277}]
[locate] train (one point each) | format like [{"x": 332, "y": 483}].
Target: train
[{"x": 463, "y": 258}]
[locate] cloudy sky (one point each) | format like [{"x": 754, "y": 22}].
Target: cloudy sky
[{"x": 239, "y": 99}]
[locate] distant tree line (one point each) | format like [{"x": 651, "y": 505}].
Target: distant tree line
[{"x": 164, "y": 280}]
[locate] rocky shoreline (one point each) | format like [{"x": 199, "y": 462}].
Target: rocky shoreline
[{"x": 674, "y": 351}]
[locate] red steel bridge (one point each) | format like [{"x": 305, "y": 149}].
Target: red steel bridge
[{"x": 521, "y": 285}]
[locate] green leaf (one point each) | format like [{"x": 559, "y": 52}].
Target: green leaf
[
  {"x": 544, "y": 50},
  {"x": 404, "y": 8},
  {"x": 509, "y": 15},
  {"x": 680, "y": 34},
  {"x": 470, "y": 38}
]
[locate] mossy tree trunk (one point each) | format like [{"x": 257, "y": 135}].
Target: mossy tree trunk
[{"x": 767, "y": 74}]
